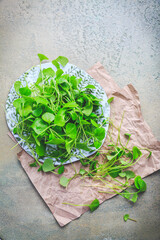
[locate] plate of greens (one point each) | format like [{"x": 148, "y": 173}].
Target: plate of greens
[{"x": 57, "y": 111}]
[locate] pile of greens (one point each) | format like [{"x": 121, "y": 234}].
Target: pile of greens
[
  {"x": 110, "y": 169},
  {"x": 55, "y": 111}
]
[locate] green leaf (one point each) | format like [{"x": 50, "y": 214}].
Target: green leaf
[
  {"x": 134, "y": 198},
  {"x": 40, "y": 169},
  {"x": 73, "y": 116},
  {"x": 87, "y": 110},
  {"x": 25, "y": 111},
  {"x": 48, "y": 165},
  {"x": 55, "y": 141},
  {"x": 136, "y": 152},
  {"x": 48, "y": 117},
  {"x": 114, "y": 172},
  {"x": 140, "y": 184},
  {"x": 39, "y": 79},
  {"x": 42, "y": 57},
  {"x": 64, "y": 181},
  {"x": 71, "y": 130},
  {"x": 122, "y": 174},
  {"x": 127, "y": 135},
  {"x": 17, "y": 85},
  {"x": 149, "y": 155},
  {"x": 48, "y": 72},
  {"x": 34, "y": 164},
  {"x": 94, "y": 205},
  {"x": 126, "y": 217},
  {"x": 25, "y": 91},
  {"x": 99, "y": 133},
  {"x": 61, "y": 169},
  {"x": 94, "y": 123},
  {"x": 74, "y": 81},
  {"x": 90, "y": 86},
  {"x": 41, "y": 100},
  {"x": 83, "y": 146},
  {"x": 37, "y": 112},
  {"x": 110, "y": 100},
  {"x": 56, "y": 64},
  {"x": 59, "y": 118},
  {"x": 18, "y": 103},
  {"x": 68, "y": 146},
  {"x": 38, "y": 125},
  {"x": 97, "y": 144},
  {"x": 62, "y": 60},
  {"x": 59, "y": 72},
  {"x": 40, "y": 150},
  {"x": 70, "y": 105},
  {"x": 126, "y": 195},
  {"x": 82, "y": 171},
  {"x": 129, "y": 174}
]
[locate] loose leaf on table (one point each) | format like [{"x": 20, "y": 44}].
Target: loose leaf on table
[
  {"x": 114, "y": 172},
  {"x": 94, "y": 205},
  {"x": 82, "y": 171},
  {"x": 61, "y": 169},
  {"x": 34, "y": 164},
  {"x": 48, "y": 165},
  {"x": 140, "y": 184},
  {"x": 64, "y": 181},
  {"x": 125, "y": 217},
  {"x": 136, "y": 152},
  {"x": 128, "y": 174}
]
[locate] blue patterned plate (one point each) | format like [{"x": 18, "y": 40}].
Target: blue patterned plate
[{"x": 31, "y": 77}]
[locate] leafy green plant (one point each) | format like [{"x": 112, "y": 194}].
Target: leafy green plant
[
  {"x": 55, "y": 113},
  {"x": 126, "y": 217},
  {"x": 93, "y": 205}
]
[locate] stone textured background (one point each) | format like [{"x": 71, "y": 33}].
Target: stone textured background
[{"x": 124, "y": 37}]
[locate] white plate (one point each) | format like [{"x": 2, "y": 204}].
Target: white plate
[{"x": 31, "y": 77}]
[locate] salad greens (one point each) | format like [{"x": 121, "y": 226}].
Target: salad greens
[
  {"x": 112, "y": 174},
  {"x": 56, "y": 113}
]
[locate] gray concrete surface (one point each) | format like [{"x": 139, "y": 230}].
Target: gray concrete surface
[{"x": 124, "y": 37}]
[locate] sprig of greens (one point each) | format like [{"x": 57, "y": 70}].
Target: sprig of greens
[{"x": 114, "y": 170}]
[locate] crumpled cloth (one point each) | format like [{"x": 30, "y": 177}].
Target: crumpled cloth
[{"x": 47, "y": 184}]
